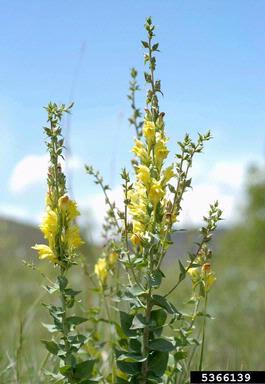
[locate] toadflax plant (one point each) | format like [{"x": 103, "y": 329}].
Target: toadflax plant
[
  {"x": 154, "y": 342},
  {"x": 63, "y": 240}
]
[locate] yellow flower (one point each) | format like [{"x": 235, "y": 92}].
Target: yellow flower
[
  {"x": 138, "y": 226},
  {"x": 206, "y": 267},
  {"x": 101, "y": 269},
  {"x": 140, "y": 150},
  {"x": 138, "y": 201},
  {"x": 68, "y": 207},
  {"x": 135, "y": 239},
  {"x": 113, "y": 257},
  {"x": 168, "y": 173},
  {"x": 72, "y": 237},
  {"x": 49, "y": 224},
  {"x": 45, "y": 252},
  {"x": 160, "y": 149},
  {"x": 149, "y": 130},
  {"x": 194, "y": 273},
  {"x": 143, "y": 174},
  {"x": 156, "y": 192},
  {"x": 210, "y": 279}
]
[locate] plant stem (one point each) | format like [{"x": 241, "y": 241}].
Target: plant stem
[
  {"x": 146, "y": 333},
  {"x": 203, "y": 332}
]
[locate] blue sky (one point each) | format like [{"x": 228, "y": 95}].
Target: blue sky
[{"x": 212, "y": 67}]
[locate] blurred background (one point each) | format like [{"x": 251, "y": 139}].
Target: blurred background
[{"x": 212, "y": 67}]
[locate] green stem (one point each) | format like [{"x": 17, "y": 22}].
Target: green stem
[
  {"x": 203, "y": 332},
  {"x": 146, "y": 334},
  {"x": 112, "y": 340}
]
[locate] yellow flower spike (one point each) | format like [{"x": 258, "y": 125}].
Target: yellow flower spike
[
  {"x": 101, "y": 270},
  {"x": 168, "y": 173},
  {"x": 140, "y": 150},
  {"x": 72, "y": 237},
  {"x": 49, "y": 224},
  {"x": 143, "y": 174},
  {"x": 45, "y": 252},
  {"x": 206, "y": 267},
  {"x": 149, "y": 130},
  {"x": 156, "y": 192},
  {"x": 138, "y": 226},
  {"x": 113, "y": 258},
  {"x": 136, "y": 239},
  {"x": 69, "y": 207},
  {"x": 194, "y": 273},
  {"x": 210, "y": 279},
  {"x": 160, "y": 150}
]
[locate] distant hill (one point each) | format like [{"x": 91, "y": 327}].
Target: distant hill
[{"x": 17, "y": 238}]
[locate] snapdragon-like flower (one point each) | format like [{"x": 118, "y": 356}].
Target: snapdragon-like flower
[
  {"x": 160, "y": 149},
  {"x": 156, "y": 193},
  {"x": 140, "y": 151},
  {"x": 45, "y": 252},
  {"x": 167, "y": 174},
  {"x": 58, "y": 228},
  {"x": 68, "y": 207},
  {"x": 149, "y": 131},
  {"x": 202, "y": 274},
  {"x": 150, "y": 186},
  {"x": 143, "y": 174},
  {"x": 113, "y": 258},
  {"x": 101, "y": 269},
  {"x": 49, "y": 225}
]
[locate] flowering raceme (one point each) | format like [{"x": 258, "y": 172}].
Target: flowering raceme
[
  {"x": 151, "y": 181},
  {"x": 101, "y": 269},
  {"x": 63, "y": 216}
]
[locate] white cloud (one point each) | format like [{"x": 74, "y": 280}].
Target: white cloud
[
  {"x": 96, "y": 206},
  {"x": 17, "y": 213},
  {"x": 223, "y": 182},
  {"x": 196, "y": 203},
  {"x": 32, "y": 170},
  {"x": 228, "y": 174}
]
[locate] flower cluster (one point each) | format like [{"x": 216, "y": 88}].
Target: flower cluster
[
  {"x": 59, "y": 229},
  {"x": 58, "y": 224},
  {"x": 104, "y": 264},
  {"x": 148, "y": 194},
  {"x": 202, "y": 276}
]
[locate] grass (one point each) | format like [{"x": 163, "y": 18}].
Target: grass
[{"x": 235, "y": 339}]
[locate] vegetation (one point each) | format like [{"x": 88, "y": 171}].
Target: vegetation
[{"x": 135, "y": 315}]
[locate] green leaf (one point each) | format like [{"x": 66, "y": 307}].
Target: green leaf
[
  {"x": 138, "y": 322},
  {"x": 161, "y": 344},
  {"x": 130, "y": 368},
  {"x": 131, "y": 358},
  {"x": 135, "y": 345},
  {"x": 62, "y": 282},
  {"x": 158, "y": 316},
  {"x": 158, "y": 363},
  {"x": 164, "y": 303},
  {"x": 180, "y": 355},
  {"x": 71, "y": 292},
  {"x": 145, "y": 44},
  {"x": 83, "y": 370},
  {"x": 51, "y": 327},
  {"x": 75, "y": 320},
  {"x": 154, "y": 279},
  {"x": 51, "y": 346},
  {"x": 182, "y": 271},
  {"x": 66, "y": 370},
  {"x": 126, "y": 322}
]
